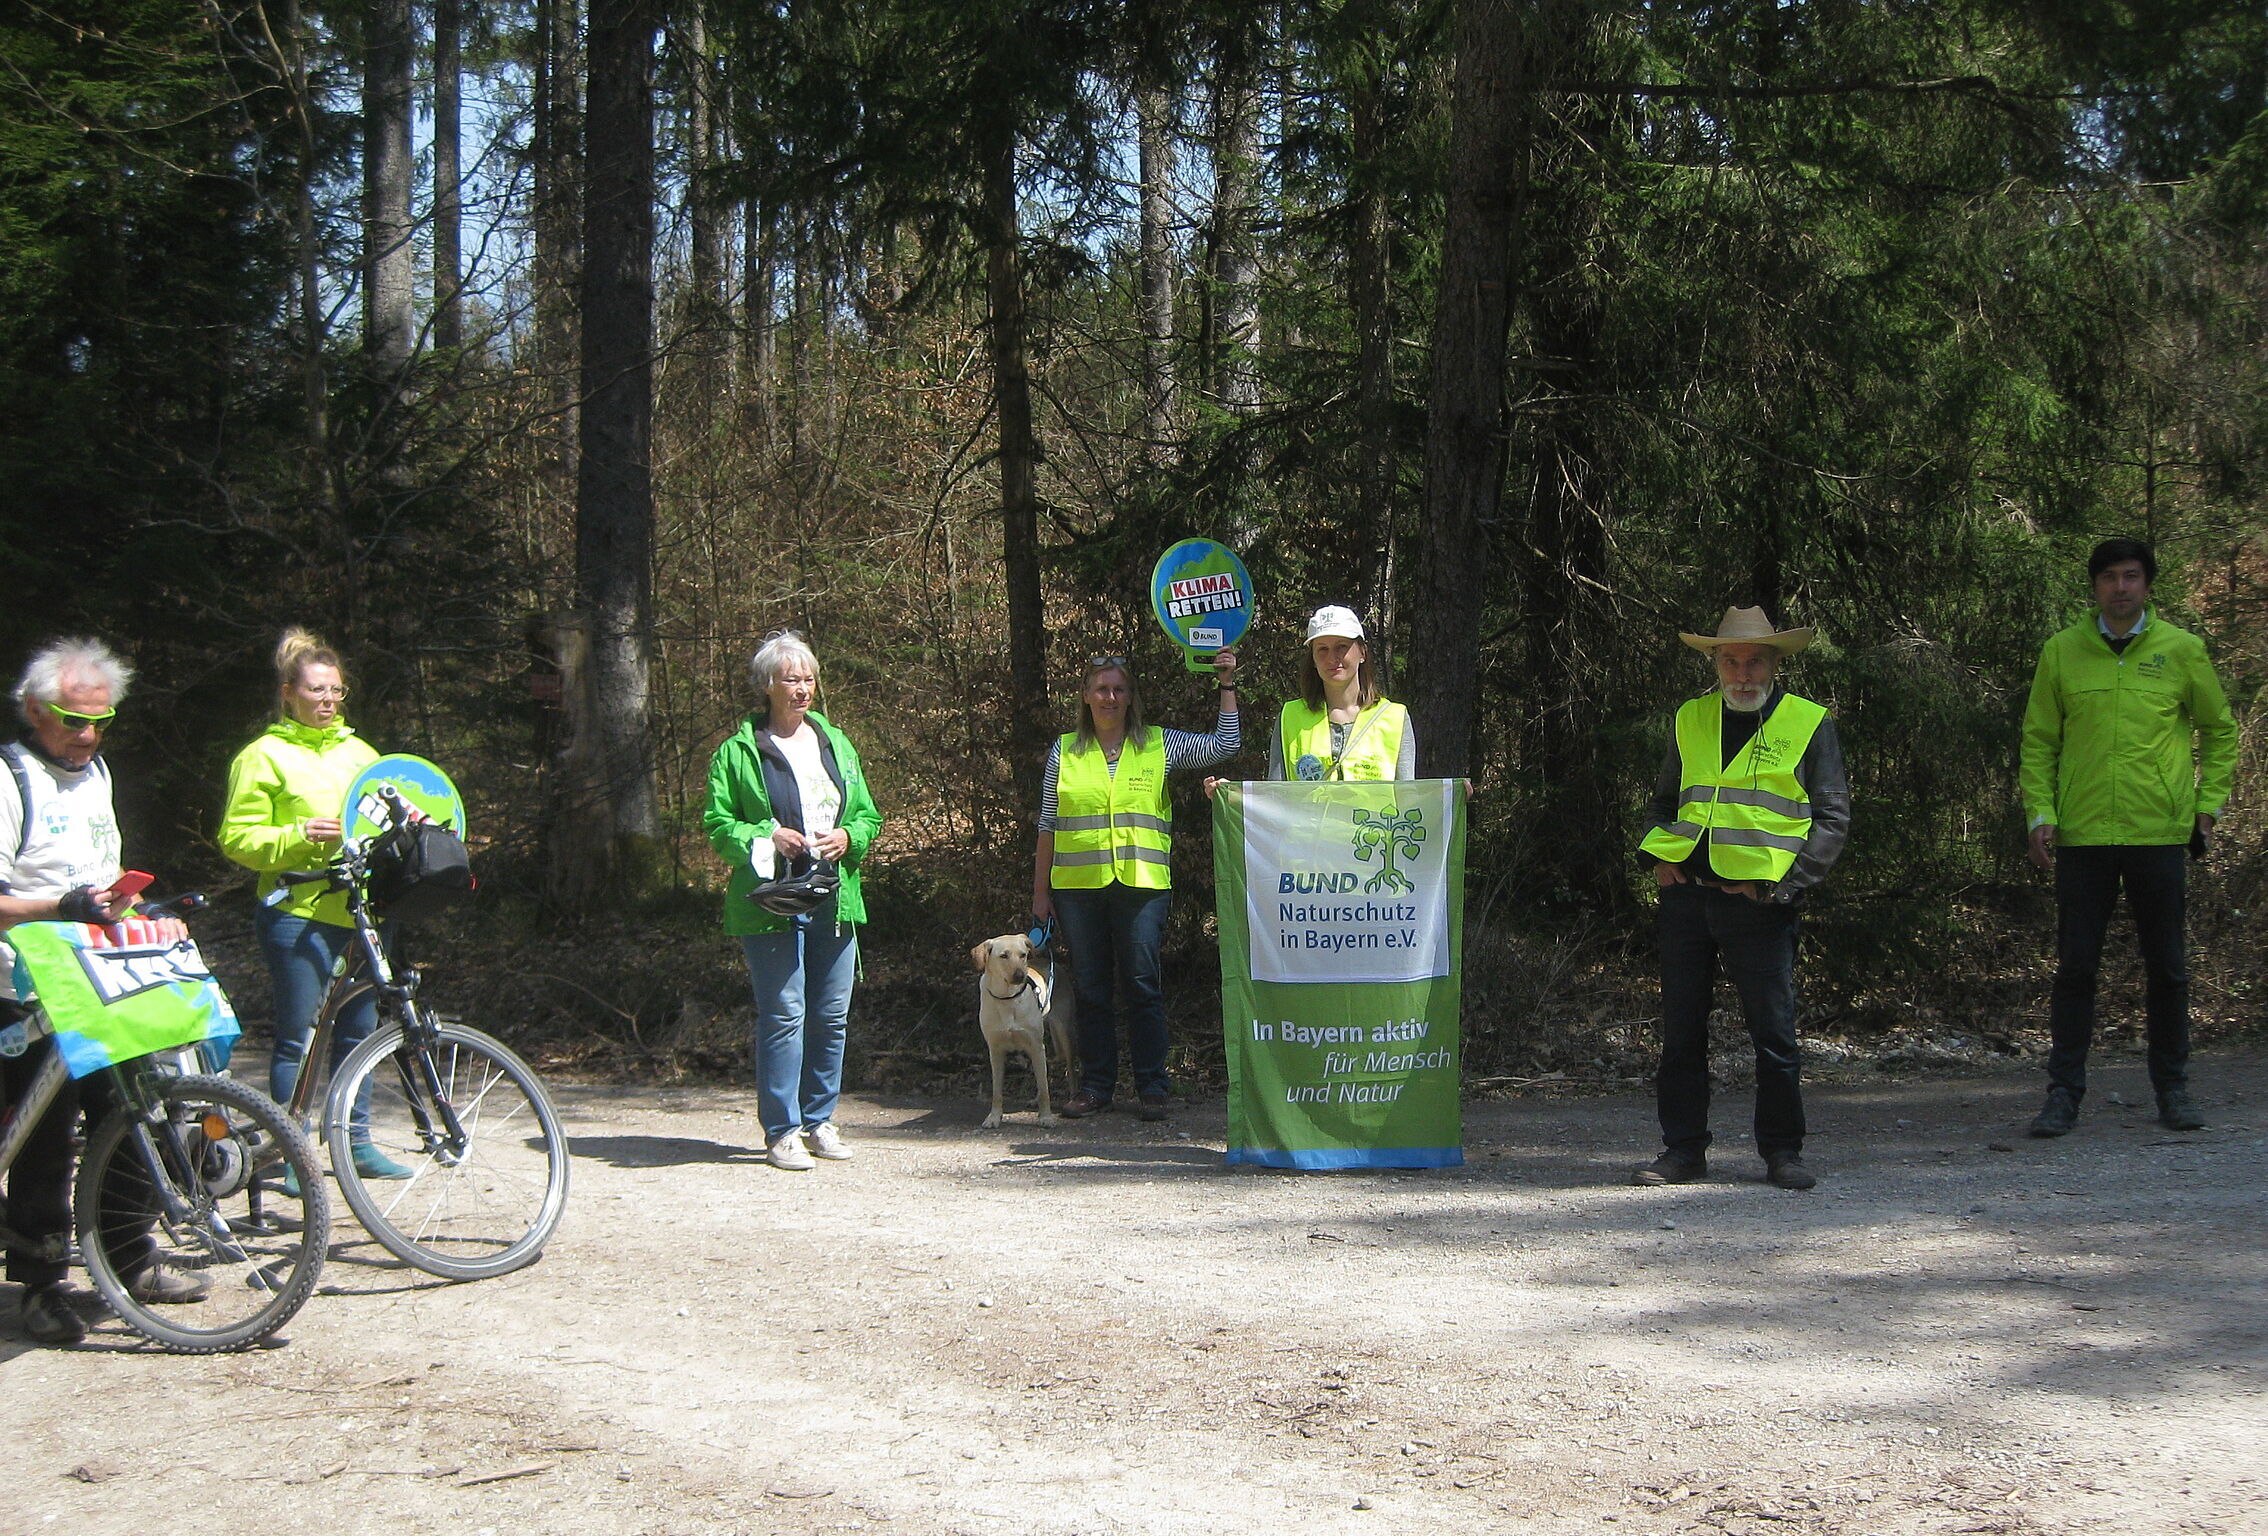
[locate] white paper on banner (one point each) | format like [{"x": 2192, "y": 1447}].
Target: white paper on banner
[{"x": 1339, "y": 889}]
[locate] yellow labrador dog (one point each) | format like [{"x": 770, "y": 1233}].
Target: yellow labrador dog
[{"x": 1017, "y": 1010}]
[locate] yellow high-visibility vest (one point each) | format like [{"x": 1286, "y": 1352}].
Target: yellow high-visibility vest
[
  {"x": 1374, "y": 741},
  {"x": 1754, "y": 808},
  {"x": 1112, "y": 826}
]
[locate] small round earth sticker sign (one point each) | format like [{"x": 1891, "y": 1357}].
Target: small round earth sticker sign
[
  {"x": 423, "y": 787},
  {"x": 1202, "y": 596}
]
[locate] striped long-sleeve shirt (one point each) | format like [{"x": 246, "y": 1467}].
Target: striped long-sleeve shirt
[{"x": 1183, "y": 750}]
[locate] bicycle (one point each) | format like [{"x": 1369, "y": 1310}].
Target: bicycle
[
  {"x": 472, "y": 1122},
  {"x": 199, "y": 1164}
]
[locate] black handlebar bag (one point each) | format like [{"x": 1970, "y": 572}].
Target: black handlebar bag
[{"x": 418, "y": 871}]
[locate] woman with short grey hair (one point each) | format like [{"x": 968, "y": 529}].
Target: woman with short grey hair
[{"x": 786, "y": 792}]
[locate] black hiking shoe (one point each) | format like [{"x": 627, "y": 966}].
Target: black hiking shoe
[
  {"x": 1786, "y": 1169},
  {"x": 2058, "y": 1115},
  {"x": 1672, "y": 1168},
  {"x": 2178, "y": 1112}
]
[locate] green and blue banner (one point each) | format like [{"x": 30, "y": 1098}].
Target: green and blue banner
[
  {"x": 114, "y": 994},
  {"x": 1341, "y": 910},
  {"x": 424, "y": 788},
  {"x": 1202, "y": 594}
]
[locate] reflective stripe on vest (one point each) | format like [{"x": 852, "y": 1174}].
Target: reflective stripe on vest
[
  {"x": 1374, "y": 741},
  {"x": 1112, "y": 826},
  {"x": 1754, "y": 808}
]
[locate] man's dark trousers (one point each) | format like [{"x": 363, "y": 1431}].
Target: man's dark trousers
[
  {"x": 1698, "y": 927},
  {"x": 2087, "y": 882}
]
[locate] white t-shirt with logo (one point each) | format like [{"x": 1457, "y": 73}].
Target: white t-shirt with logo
[
  {"x": 70, "y": 840},
  {"x": 822, "y": 801}
]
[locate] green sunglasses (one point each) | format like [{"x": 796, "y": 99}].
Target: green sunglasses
[{"x": 74, "y": 721}]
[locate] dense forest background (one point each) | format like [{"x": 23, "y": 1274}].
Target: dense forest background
[{"x": 546, "y": 354}]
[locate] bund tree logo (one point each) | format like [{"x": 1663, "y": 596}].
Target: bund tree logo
[{"x": 1390, "y": 837}]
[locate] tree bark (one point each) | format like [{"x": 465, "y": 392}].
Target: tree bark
[
  {"x": 1154, "y": 109},
  {"x": 1464, "y": 453},
  {"x": 1370, "y": 299},
  {"x": 558, "y": 237},
  {"x": 1236, "y": 190},
  {"x": 759, "y": 327},
  {"x": 448, "y": 189},
  {"x": 614, "y": 484},
  {"x": 706, "y": 310},
  {"x": 389, "y": 258},
  {"x": 1019, "y": 463}
]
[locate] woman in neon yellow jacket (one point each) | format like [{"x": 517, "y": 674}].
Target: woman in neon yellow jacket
[
  {"x": 286, "y": 791},
  {"x": 1342, "y": 726}
]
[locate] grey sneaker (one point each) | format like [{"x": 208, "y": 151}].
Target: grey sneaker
[
  {"x": 159, "y": 1286},
  {"x": 788, "y": 1153},
  {"x": 2178, "y": 1112},
  {"x": 2058, "y": 1115},
  {"x": 48, "y": 1318},
  {"x": 1672, "y": 1168},
  {"x": 827, "y": 1142}
]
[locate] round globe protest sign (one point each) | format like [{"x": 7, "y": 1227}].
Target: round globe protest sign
[
  {"x": 1203, "y": 598},
  {"x": 422, "y": 786}
]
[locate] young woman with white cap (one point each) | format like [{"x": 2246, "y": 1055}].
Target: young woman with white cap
[{"x": 1342, "y": 726}]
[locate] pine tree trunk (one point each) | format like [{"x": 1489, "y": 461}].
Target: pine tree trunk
[
  {"x": 1236, "y": 190},
  {"x": 759, "y": 328},
  {"x": 448, "y": 190},
  {"x": 1154, "y": 109},
  {"x": 1370, "y": 299},
  {"x": 705, "y": 310},
  {"x": 558, "y": 237},
  {"x": 614, "y": 510},
  {"x": 1019, "y": 465},
  {"x": 389, "y": 257},
  {"x": 1464, "y": 456}
]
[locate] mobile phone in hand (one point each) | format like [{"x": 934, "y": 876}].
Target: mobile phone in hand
[{"x": 126, "y": 886}]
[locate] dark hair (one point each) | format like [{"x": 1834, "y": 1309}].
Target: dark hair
[
  {"x": 1368, "y": 690},
  {"x": 2117, "y": 552}
]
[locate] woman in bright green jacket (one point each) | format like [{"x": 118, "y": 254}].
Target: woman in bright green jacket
[
  {"x": 286, "y": 795},
  {"x": 785, "y": 788}
]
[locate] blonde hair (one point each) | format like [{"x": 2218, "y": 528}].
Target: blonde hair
[{"x": 300, "y": 649}]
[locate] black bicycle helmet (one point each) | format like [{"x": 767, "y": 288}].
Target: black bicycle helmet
[{"x": 812, "y": 885}]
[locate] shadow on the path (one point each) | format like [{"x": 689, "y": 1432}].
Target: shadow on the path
[{"x": 661, "y": 1151}]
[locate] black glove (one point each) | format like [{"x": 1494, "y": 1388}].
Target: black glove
[{"x": 78, "y": 905}]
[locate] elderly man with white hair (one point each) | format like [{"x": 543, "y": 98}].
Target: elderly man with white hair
[
  {"x": 1750, "y": 811},
  {"x": 59, "y": 856}
]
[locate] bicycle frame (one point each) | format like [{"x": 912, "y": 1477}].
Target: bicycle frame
[{"x": 366, "y": 969}]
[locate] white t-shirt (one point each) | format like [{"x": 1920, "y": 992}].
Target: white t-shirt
[
  {"x": 72, "y": 838},
  {"x": 822, "y": 801}
]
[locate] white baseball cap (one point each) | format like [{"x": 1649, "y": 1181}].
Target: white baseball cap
[{"x": 1339, "y": 623}]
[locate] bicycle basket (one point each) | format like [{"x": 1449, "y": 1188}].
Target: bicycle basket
[{"x": 418, "y": 870}]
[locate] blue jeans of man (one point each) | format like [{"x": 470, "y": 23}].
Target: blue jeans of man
[
  {"x": 300, "y": 953},
  {"x": 1699, "y": 928},
  {"x": 802, "y": 979},
  {"x": 1117, "y": 938},
  {"x": 2087, "y": 883}
]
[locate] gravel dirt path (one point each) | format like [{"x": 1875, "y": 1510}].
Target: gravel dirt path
[{"x": 1097, "y": 1328}]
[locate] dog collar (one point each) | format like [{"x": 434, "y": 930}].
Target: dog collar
[{"x": 1024, "y": 987}]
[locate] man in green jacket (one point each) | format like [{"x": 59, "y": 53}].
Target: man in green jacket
[{"x": 2129, "y": 751}]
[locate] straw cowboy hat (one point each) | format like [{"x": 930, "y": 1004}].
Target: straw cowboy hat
[{"x": 1748, "y": 626}]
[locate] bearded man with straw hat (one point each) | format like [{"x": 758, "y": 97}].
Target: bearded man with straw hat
[{"x": 1749, "y": 813}]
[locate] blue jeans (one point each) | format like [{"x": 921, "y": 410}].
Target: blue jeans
[
  {"x": 1117, "y": 938},
  {"x": 300, "y": 953},
  {"x": 1701, "y": 928},
  {"x": 802, "y": 979}
]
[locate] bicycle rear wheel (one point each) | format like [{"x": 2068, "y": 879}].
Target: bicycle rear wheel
[
  {"x": 196, "y": 1185},
  {"x": 481, "y": 1199}
]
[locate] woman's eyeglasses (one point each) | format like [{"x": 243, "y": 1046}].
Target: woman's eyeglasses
[
  {"x": 1095, "y": 662},
  {"x": 74, "y": 721},
  {"x": 337, "y": 692}
]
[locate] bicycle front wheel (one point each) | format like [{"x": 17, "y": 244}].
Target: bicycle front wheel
[
  {"x": 212, "y": 1186},
  {"x": 479, "y": 1162}
]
